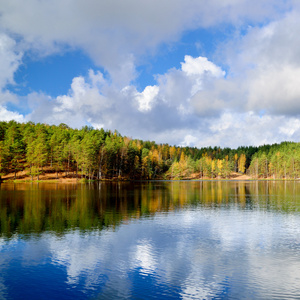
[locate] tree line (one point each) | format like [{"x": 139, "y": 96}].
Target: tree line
[
  {"x": 277, "y": 161},
  {"x": 103, "y": 154}
]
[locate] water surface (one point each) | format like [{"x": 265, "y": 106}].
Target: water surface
[{"x": 162, "y": 240}]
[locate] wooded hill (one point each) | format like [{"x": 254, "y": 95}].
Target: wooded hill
[{"x": 98, "y": 154}]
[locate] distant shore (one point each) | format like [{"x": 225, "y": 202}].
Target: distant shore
[{"x": 63, "y": 177}]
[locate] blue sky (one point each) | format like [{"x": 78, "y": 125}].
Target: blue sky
[{"x": 191, "y": 72}]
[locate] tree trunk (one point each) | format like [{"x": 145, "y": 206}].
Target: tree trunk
[
  {"x": 31, "y": 173},
  {"x": 99, "y": 172},
  {"x": 68, "y": 164}
]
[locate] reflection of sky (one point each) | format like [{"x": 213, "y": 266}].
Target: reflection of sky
[{"x": 188, "y": 254}]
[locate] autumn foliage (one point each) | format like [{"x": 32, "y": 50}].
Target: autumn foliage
[{"x": 102, "y": 154}]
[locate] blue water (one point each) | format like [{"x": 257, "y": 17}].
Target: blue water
[{"x": 179, "y": 251}]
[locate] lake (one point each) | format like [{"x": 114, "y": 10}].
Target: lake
[{"x": 150, "y": 240}]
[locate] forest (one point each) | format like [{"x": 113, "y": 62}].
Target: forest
[{"x": 98, "y": 154}]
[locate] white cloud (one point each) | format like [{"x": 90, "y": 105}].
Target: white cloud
[
  {"x": 235, "y": 129},
  {"x": 189, "y": 140},
  {"x": 169, "y": 112},
  {"x": 193, "y": 105},
  {"x": 178, "y": 86},
  {"x": 147, "y": 97},
  {"x": 275, "y": 90},
  {"x": 116, "y": 33},
  {"x": 9, "y": 60},
  {"x": 6, "y": 115},
  {"x": 264, "y": 70},
  {"x": 199, "y": 66},
  {"x": 83, "y": 101},
  {"x": 160, "y": 108}
]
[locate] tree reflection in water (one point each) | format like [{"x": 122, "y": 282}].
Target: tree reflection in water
[{"x": 35, "y": 208}]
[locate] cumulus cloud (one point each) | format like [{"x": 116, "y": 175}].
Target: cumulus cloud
[
  {"x": 197, "y": 104},
  {"x": 264, "y": 70},
  {"x": 7, "y": 115},
  {"x": 147, "y": 97},
  {"x": 115, "y": 33},
  {"x": 199, "y": 66},
  {"x": 10, "y": 60},
  {"x": 275, "y": 90},
  {"x": 83, "y": 101},
  {"x": 154, "y": 111},
  {"x": 178, "y": 86}
]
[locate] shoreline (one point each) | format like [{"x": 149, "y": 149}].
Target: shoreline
[
  {"x": 84, "y": 181},
  {"x": 51, "y": 177}
]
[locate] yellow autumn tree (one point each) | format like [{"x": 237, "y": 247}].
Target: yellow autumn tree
[
  {"x": 172, "y": 153},
  {"x": 213, "y": 167},
  {"x": 220, "y": 167},
  {"x": 242, "y": 163},
  {"x": 236, "y": 162}
]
